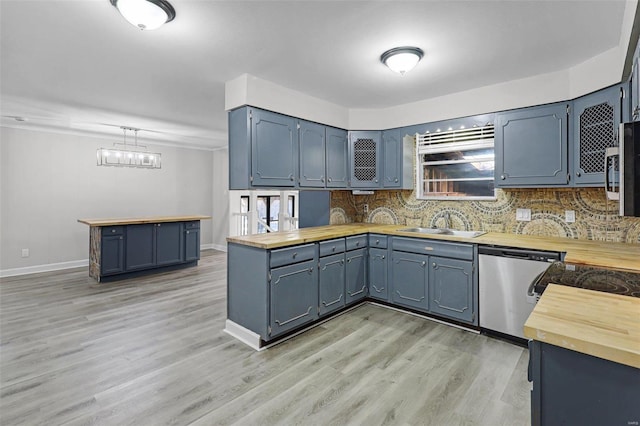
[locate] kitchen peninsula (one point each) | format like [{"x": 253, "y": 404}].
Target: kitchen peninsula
[{"x": 126, "y": 247}]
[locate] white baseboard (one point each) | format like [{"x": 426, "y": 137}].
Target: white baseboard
[
  {"x": 218, "y": 247},
  {"x": 245, "y": 335},
  {"x": 43, "y": 268}
]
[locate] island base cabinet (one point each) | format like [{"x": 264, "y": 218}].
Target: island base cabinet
[
  {"x": 169, "y": 244},
  {"x": 191, "y": 244},
  {"x": 112, "y": 261},
  {"x": 331, "y": 280},
  {"x": 294, "y": 296},
  {"x": 572, "y": 388},
  {"x": 451, "y": 288},
  {"x": 410, "y": 280},
  {"x": 378, "y": 287},
  {"x": 140, "y": 247},
  {"x": 356, "y": 275}
]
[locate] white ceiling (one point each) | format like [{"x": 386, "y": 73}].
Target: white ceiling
[{"x": 80, "y": 65}]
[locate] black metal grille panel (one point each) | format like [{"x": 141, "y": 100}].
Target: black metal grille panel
[
  {"x": 364, "y": 159},
  {"x": 597, "y": 132}
]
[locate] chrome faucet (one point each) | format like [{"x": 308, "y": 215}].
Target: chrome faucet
[{"x": 447, "y": 220}]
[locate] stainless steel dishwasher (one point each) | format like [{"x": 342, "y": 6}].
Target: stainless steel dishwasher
[{"x": 506, "y": 279}]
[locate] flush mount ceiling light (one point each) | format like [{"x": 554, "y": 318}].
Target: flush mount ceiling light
[
  {"x": 129, "y": 155},
  {"x": 145, "y": 14},
  {"x": 402, "y": 59}
]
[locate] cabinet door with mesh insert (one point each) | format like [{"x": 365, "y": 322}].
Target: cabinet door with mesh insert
[
  {"x": 596, "y": 122},
  {"x": 365, "y": 156}
]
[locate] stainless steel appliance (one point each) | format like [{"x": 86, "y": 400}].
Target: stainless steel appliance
[
  {"x": 626, "y": 177},
  {"x": 506, "y": 280}
]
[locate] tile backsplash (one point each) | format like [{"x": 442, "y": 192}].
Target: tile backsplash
[{"x": 596, "y": 217}]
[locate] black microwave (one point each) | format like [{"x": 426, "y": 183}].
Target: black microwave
[{"x": 626, "y": 176}]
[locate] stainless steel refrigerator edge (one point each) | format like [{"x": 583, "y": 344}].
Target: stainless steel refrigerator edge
[{"x": 506, "y": 278}]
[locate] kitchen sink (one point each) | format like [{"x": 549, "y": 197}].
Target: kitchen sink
[{"x": 444, "y": 231}]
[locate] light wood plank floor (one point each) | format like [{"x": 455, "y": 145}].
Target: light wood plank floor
[{"x": 151, "y": 351}]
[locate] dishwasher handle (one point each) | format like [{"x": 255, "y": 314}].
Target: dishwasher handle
[
  {"x": 514, "y": 253},
  {"x": 533, "y": 284}
]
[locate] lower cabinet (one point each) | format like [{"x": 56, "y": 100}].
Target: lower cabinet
[
  {"x": 378, "y": 281},
  {"x": 451, "y": 287},
  {"x": 112, "y": 255},
  {"x": 572, "y": 388},
  {"x": 332, "y": 283},
  {"x": 125, "y": 249},
  {"x": 410, "y": 280},
  {"x": 356, "y": 275},
  {"x": 293, "y": 295}
]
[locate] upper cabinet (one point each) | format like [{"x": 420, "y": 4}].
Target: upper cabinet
[
  {"x": 596, "y": 120},
  {"x": 274, "y": 147},
  {"x": 365, "y": 155},
  {"x": 531, "y": 146},
  {"x": 337, "y": 158},
  {"x": 635, "y": 86},
  {"x": 312, "y": 154},
  {"x": 397, "y": 167}
]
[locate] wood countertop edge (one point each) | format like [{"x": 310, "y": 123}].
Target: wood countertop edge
[
  {"x": 618, "y": 341},
  {"x": 586, "y": 252},
  {"x": 141, "y": 220}
]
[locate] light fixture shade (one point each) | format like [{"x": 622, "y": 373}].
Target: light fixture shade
[
  {"x": 145, "y": 14},
  {"x": 402, "y": 59},
  {"x": 129, "y": 158}
]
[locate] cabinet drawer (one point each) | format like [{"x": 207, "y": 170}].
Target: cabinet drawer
[
  {"x": 434, "y": 248},
  {"x": 291, "y": 255},
  {"x": 357, "y": 242},
  {"x": 377, "y": 240},
  {"x": 332, "y": 247},
  {"x": 194, "y": 224},
  {"x": 112, "y": 230}
]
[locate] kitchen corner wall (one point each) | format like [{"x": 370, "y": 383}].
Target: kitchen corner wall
[{"x": 596, "y": 217}]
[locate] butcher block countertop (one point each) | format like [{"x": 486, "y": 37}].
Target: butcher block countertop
[
  {"x": 596, "y": 253},
  {"x": 138, "y": 220},
  {"x": 601, "y": 324}
]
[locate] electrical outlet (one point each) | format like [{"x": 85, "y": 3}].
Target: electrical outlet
[
  {"x": 523, "y": 215},
  {"x": 569, "y": 216},
  {"x": 25, "y": 252},
  {"x": 366, "y": 208}
]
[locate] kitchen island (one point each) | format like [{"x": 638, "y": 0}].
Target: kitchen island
[
  {"x": 126, "y": 247},
  {"x": 584, "y": 357}
]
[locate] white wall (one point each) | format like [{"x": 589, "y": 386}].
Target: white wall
[
  {"x": 220, "y": 198},
  {"x": 49, "y": 180}
]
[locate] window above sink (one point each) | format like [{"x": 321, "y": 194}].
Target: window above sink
[{"x": 456, "y": 164}]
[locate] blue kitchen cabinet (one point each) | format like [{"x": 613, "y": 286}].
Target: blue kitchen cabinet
[
  {"x": 112, "y": 250},
  {"x": 410, "y": 280},
  {"x": 451, "y": 288},
  {"x": 140, "y": 247},
  {"x": 192, "y": 241},
  {"x": 596, "y": 120},
  {"x": 531, "y": 147},
  {"x": 634, "y": 81},
  {"x": 332, "y": 283},
  {"x": 378, "y": 269},
  {"x": 337, "y": 158},
  {"x": 356, "y": 275},
  {"x": 572, "y": 388},
  {"x": 293, "y": 296},
  {"x": 169, "y": 243},
  {"x": 397, "y": 165},
  {"x": 312, "y": 154},
  {"x": 274, "y": 149},
  {"x": 365, "y": 155}
]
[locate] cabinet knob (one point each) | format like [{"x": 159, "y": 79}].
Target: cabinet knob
[
  {"x": 377, "y": 241},
  {"x": 357, "y": 243},
  {"x": 333, "y": 248},
  {"x": 342, "y": 262},
  {"x": 329, "y": 180},
  {"x": 187, "y": 232},
  {"x": 578, "y": 174},
  {"x": 375, "y": 180},
  {"x": 503, "y": 177},
  {"x": 294, "y": 255},
  {"x": 121, "y": 238},
  {"x": 424, "y": 263},
  {"x": 396, "y": 180},
  {"x": 291, "y": 178},
  {"x": 435, "y": 265},
  {"x": 113, "y": 230},
  {"x": 158, "y": 225},
  {"x": 321, "y": 179},
  {"x": 311, "y": 270},
  {"x": 383, "y": 257}
]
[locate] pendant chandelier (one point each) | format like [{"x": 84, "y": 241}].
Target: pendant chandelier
[{"x": 129, "y": 155}]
